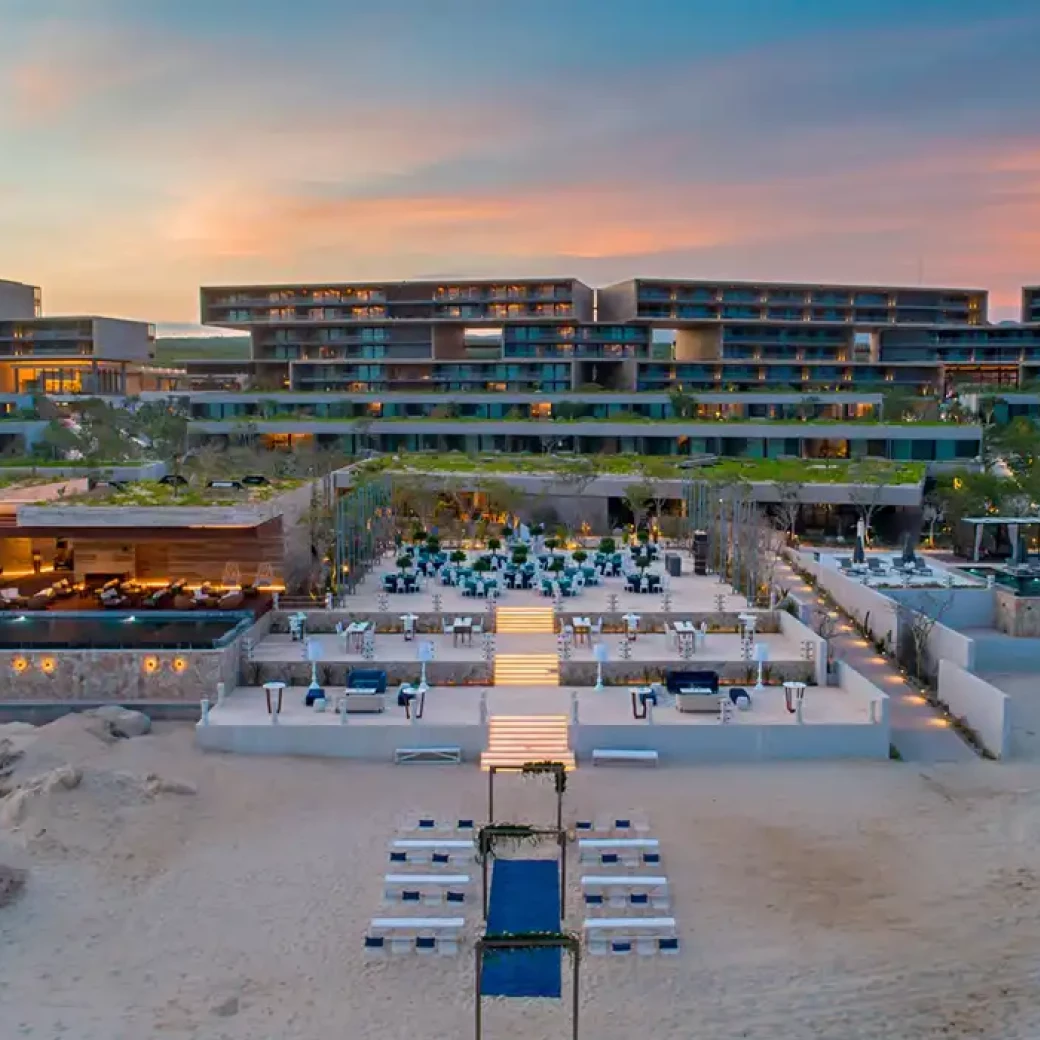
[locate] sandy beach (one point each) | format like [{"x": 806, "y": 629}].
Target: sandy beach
[{"x": 838, "y": 901}]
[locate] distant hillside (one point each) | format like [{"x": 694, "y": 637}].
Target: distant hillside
[{"x": 184, "y": 348}]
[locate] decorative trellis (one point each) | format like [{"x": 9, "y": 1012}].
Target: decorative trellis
[{"x": 364, "y": 531}]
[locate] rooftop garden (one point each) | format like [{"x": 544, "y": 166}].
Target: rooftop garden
[
  {"x": 154, "y": 493},
  {"x": 662, "y": 467}
]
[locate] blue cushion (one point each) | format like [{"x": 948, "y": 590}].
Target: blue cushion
[
  {"x": 456, "y": 897},
  {"x": 440, "y": 857},
  {"x": 593, "y": 899},
  {"x": 465, "y": 825},
  {"x": 668, "y": 944},
  {"x": 609, "y": 857},
  {"x": 640, "y": 898},
  {"x": 374, "y": 942},
  {"x": 622, "y": 825},
  {"x": 398, "y": 857},
  {"x": 426, "y": 942},
  {"x": 621, "y": 947},
  {"x": 427, "y": 823},
  {"x": 651, "y": 857},
  {"x": 410, "y": 897}
]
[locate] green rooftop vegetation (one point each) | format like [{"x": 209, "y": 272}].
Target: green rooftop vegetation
[
  {"x": 195, "y": 493},
  {"x": 804, "y": 471}
]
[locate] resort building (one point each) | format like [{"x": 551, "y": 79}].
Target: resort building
[
  {"x": 19, "y": 300},
  {"x": 1031, "y": 304}
]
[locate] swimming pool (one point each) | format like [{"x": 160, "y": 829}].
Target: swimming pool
[
  {"x": 1019, "y": 584},
  {"x": 103, "y": 630}
]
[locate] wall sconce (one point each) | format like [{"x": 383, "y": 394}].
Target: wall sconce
[
  {"x": 180, "y": 664},
  {"x": 151, "y": 664},
  {"x": 47, "y": 665},
  {"x": 19, "y": 664}
]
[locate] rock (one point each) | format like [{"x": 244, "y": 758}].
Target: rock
[
  {"x": 67, "y": 777},
  {"x": 13, "y": 808},
  {"x": 12, "y": 881},
  {"x": 122, "y": 722},
  {"x": 154, "y": 784},
  {"x": 226, "y": 1008}
]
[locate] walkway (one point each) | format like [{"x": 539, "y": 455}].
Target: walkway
[
  {"x": 525, "y": 898},
  {"x": 919, "y": 732}
]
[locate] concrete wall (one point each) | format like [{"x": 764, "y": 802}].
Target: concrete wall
[
  {"x": 794, "y": 629},
  {"x": 947, "y": 644},
  {"x": 856, "y": 599},
  {"x": 117, "y": 339},
  {"x": 685, "y": 744},
  {"x": 113, "y": 676},
  {"x": 983, "y": 707},
  {"x": 1017, "y": 615},
  {"x": 1002, "y": 653},
  {"x": 960, "y": 608},
  {"x": 17, "y": 301}
]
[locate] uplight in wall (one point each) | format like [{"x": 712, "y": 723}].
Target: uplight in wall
[
  {"x": 180, "y": 664},
  {"x": 19, "y": 664},
  {"x": 151, "y": 664},
  {"x": 47, "y": 665}
]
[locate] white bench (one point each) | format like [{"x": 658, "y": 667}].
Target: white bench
[
  {"x": 428, "y": 889},
  {"x": 613, "y": 825},
  {"x": 433, "y": 850},
  {"x": 622, "y": 891},
  {"x": 621, "y": 935},
  {"x": 404, "y": 755},
  {"x": 623, "y": 757},
  {"x": 424, "y": 935},
  {"x": 629, "y": 851},
  {"x": 430, "y": 824}
]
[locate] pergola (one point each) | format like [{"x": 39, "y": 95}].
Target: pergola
[{"x": 1012, "y": 523}]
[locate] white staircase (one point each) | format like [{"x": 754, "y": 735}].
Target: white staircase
[
  {"x": 514, "y": 740},
  {"x": 527, "y": 670},
  {"x": 525, "y": 621}
]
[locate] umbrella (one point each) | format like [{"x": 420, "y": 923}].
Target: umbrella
[
  {"x": 908, "y": 551},
  {"x": 858, "y": 555}
]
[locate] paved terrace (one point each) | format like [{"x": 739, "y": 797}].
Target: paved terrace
[
  {"x": 656, "y": 647},
  {"x": 690, "y": 594},
  {"x": 460, "y": 706}
]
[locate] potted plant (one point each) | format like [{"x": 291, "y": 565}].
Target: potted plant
[
  {"x": 643, "y": 536},
  {"x": 556, "y": 564},
  {"x": 507, "y": 532},
  {"x": 520, "y": 556},
  {"x": 418, "y": 535},
  {"x": 607, "y": 546},
  {"x": 433, "y": 544},
  {"x": 494, "y": 544},
  {"x": 579, "y": 556},
  {"x": 404, "y": 561},
  {"x": 551, "y": 543},
  {"x": 482, "y": 566},
  {"x": 458, "y": 556}
]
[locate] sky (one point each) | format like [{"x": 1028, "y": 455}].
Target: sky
[{"x": 148, "y": 147}]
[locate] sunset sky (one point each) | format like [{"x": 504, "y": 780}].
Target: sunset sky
[{"x": 150, "y": 146}]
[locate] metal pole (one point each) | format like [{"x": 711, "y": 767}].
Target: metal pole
[
  {"x": 562, "y": 838},
  {"x": 491, "y": 794},
  {"x": 478, "y": 974},
  {"x": 576, "y": 953}
]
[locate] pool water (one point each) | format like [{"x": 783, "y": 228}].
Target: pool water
[
  {"x": 95, "y": 630},
  {"x": 1020, "y": 585}
]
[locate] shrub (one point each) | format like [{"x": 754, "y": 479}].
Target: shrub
[
  {"x": 551, "y": 543},
  {"x": 608, "y": 546},
  {"x": 404, "y": 562},
  {"x": 494, "y": 544},
  {"x": 580, "y": 556}
]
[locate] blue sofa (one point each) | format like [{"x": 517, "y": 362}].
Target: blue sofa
[
  {"x": 678, "y": 680},
  {"x": 369, "y": 679}
]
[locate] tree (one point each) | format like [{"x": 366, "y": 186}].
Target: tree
[
  {"x": 868, "y": 486},
  {"x": 1017, "y": 443},
  {"x": 789, "y": 510},
  {"x": 163, "y": 425},
  {"x": 932, "y": 513},
  {"x": 918, "y": 626},
  {"x": 684, "y": 405},
  {"x": 637, "y": 497}
]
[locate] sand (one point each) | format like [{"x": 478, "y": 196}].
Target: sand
[{"x": 838, "y": 901}]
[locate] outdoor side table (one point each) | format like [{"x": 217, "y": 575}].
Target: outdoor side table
[{"x": 276, "y": 688}]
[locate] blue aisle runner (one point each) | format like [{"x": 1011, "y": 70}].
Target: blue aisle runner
[{"x": 525, "y": 897}]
